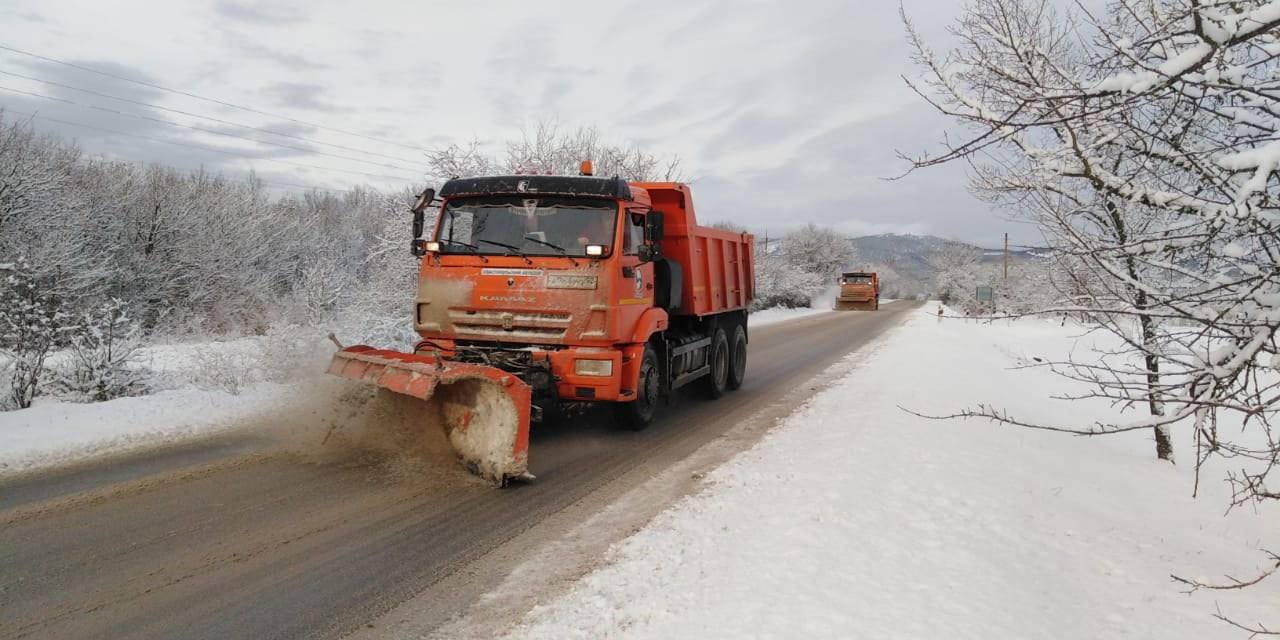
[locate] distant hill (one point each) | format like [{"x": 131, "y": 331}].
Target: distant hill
[{"x": 909, "y": 255}]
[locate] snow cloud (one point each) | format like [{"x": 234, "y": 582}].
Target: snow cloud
[{"x": 783, "y": 113}]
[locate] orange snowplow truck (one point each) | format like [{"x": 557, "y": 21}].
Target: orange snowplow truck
[
  {"x": 539, "y": 291},
  {"x": 859, "y": 290}
]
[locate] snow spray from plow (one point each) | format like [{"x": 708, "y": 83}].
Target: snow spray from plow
[{"x": 485, "y": 412}]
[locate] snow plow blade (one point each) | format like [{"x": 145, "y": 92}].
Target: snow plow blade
[
  {"x": 857, "y": 305},
  {"x": 484, "y": 411}
]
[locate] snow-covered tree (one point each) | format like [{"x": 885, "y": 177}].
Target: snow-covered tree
[
  {"x": 958, "y": 272},
  {"x": 104, "y": 344},
  {"x": 800, "y": 267},
  {"x": 817, "y": 250},
  {"x": 32, "y": 323},
  {"x": 549, "y": 150},
  {"x": 1143, "y": 140},
  {"x": 779, "y": 283}
]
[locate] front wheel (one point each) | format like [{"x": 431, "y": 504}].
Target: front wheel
[{"x": 637, "y": 414}]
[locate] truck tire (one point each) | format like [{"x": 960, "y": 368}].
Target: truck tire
[
  {"x": 637, "y": 414},
  {"x": 737, "y": 358},
  {"x": 717, "y": 380}
]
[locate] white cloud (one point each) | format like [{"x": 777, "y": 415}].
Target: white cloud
[{"x": 791, "y": 109}]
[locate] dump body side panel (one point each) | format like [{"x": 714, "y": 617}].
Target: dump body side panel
[{"x": 719, "y": 275}]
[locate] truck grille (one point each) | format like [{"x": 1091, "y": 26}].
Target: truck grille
[{"x": 510, "y": 324}]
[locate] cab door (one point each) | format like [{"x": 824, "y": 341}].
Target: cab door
[{"x": 635, "y": 290}]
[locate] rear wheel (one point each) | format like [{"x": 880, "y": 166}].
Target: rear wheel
[
  {"x": 638, "y": 413},
  {"x": 737, "y": 358},
  {"x": 718, "y": 379}
]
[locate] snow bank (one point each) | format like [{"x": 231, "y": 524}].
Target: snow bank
[
  {"x": 208, "y": 388},
  {"x": 766, "y": 317},
  {"x": 855, "y": 519},
  {"x": 52, "y": 433},
  {"x": 822, "y": 303}
]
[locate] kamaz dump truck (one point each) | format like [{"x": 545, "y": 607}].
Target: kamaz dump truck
[
  {"x": 539, "y": 291},
  {"x": 858, "y": 290}
]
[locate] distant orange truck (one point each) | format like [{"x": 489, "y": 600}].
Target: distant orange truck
[{"x": 859, "y": 290}]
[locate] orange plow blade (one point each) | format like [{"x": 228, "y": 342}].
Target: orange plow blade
[{"x": 484, "y": 411}]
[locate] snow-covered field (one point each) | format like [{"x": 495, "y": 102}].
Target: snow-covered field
[{"x": 854, "y": 519}]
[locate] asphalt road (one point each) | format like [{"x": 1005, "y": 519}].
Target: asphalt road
[{"x": 232, "y": 539}]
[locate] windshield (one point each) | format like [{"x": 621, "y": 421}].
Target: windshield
[
  {"x": 529, "y": 226},
  {"x": 858, "y": 279}
]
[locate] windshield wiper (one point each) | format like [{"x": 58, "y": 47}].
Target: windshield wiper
[
  {"x": 474, "y": 249},
  {"x": 512, "y": 250},
  {"x": 555, "y": 246}
]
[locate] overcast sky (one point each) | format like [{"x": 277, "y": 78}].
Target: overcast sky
[{"x": 782, "y": 112}]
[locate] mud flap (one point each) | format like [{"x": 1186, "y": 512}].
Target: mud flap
[{"x": 483, "y": 411}]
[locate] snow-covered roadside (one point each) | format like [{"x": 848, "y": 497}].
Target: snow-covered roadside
[
  {"x": 766, "y": 317},
  {"x": 53, "y": 433},
  {"x": 822, "y": 303},
  {"x": 207, "y": 388},
  {"x": 855, "y": 519}
]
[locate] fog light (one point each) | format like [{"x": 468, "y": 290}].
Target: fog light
[
  {"x": 598, "y": 368},
  {"x": 433, "y": 246},
  {"x": 595, "y": 250}
]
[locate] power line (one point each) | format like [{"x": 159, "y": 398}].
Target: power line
[
  {"x": 302, "y": 186},
  {"x": 201, "y": 129},
  {"x": 199, "y": 97},
  {"x": 204, "y": 148},
  {"x": 202, "y": 117}
]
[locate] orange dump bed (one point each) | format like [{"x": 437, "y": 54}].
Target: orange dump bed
[{"x": 718, "y": 265}]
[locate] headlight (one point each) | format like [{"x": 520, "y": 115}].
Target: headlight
[
  {"x": 568, "y": 281},
  {"x": 598, "y": 368}
]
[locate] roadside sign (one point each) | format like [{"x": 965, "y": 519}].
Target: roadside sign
[{"x": 985, "y": 294}]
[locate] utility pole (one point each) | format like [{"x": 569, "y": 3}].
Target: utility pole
[{"x": 1006, "y": 258}]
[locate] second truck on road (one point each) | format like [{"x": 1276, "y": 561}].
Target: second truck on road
[{"x": 858, "y": 290}]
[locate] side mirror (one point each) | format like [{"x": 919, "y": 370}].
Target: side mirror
[
  {"x": 419, "y": 213},
  {"x": 424, "y": 200},
  {"x": 653, "y": 227}
]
